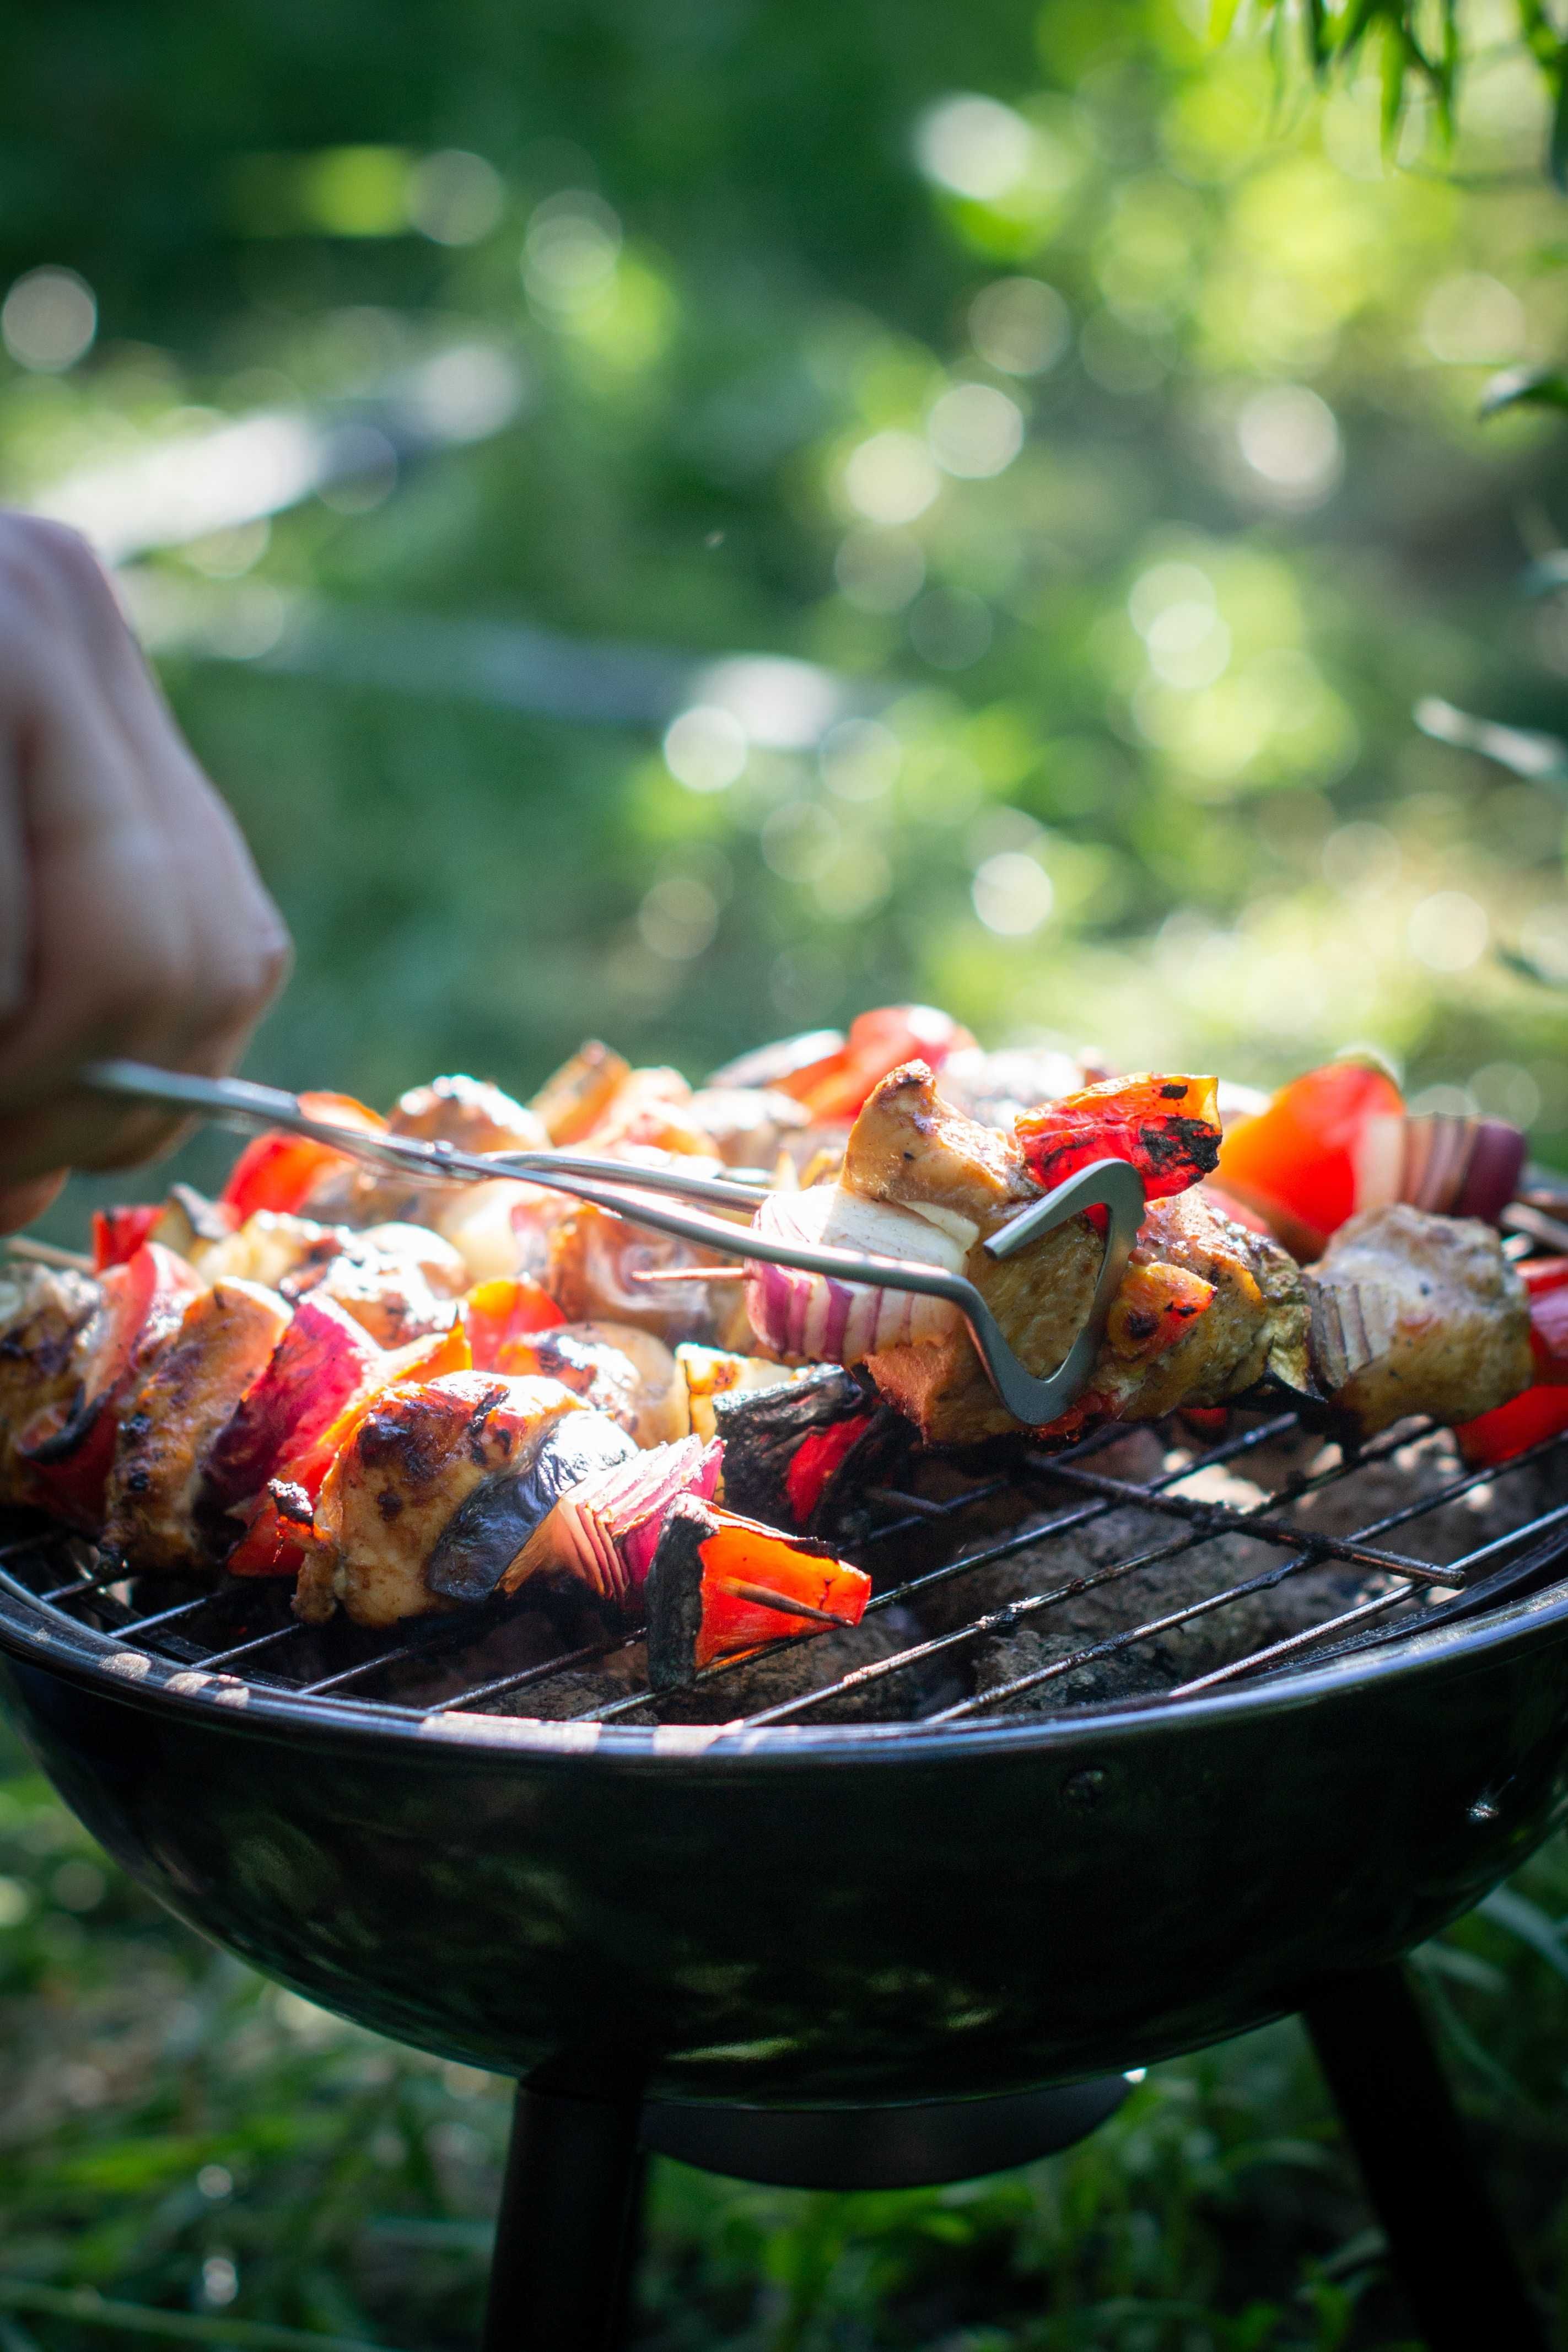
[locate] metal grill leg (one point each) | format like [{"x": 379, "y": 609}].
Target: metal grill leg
[
  {"x": 566, "y": 2227},
  {"x": 1447, "y": 2242}
]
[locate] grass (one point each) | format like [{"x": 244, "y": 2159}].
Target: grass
[{"x": 188, "y": 2154}]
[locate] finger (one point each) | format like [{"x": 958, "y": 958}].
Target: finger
[{"x": 20, "y": 1205}]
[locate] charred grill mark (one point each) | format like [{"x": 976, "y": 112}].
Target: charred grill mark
[
  {"x": 405, "y": 1440},
  {"x": 475, "y": 1432},
  {"x": 293, "y": 1503},
  {"x": 1188, "y": 1142},
  {"x": 388, "y": 1505},
  {"x": 1140, "y": 1324},
  {"x": 1173, "y": 1092}
]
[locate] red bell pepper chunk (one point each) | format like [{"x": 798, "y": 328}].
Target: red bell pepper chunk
[
  {"x": 323, "y": 1359},
  {"x": 1495, "y": 1437},
  {"x": 815, "y": 1459},
  {"x": 500, "y": 1315},
  {"x": 1546, "y": 1281},
  {"x": 1297, "y": 1160},
  {"x": 837, "y": 1087},
  {"x": 70, "y": 1449},
  {"x": 272, "y": 1544},
  {"x": 741, "y": 1560},
  {"x": 1167, "y": 1127},
  {"x": 118, "y": 1234},
  {"x": 280, "y": 1172}
]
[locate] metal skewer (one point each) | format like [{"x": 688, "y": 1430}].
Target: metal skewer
[{"x": 1108, "y": 1184}]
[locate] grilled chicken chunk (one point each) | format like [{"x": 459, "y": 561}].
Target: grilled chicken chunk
[
  {"x": 439, "y": 1489},
  {"x": 747, "y": 1126},
  {"x": 225, "y": 1342},
  {"x": 596, "y": 1256},
  {"x": 45, "y": 1316},
  {"x": 1415, "y": 1313},
  {"x": 1204, "y": 1310},
  {"x": 470, "y": 1114},
  {"x": 576, "y": 1098},
  {"x": 656, "y": 1409},
  {"x": 397, "y": 1280}
]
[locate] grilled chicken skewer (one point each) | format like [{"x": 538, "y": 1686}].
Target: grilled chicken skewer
[{"x": 254, "y": 1381}]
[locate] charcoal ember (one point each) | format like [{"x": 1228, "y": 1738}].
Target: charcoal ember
[
  {"x": 1094, "y": 1536},
  {"x": 579, "y": 1690},
  {"x": 1376, "y": 1487},
  {"x": 763, "y": 1429},
  {"x": 1181, "y": 1653}
]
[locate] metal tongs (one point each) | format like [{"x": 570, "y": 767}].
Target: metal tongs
[{"x": 1108, "y": 1184}]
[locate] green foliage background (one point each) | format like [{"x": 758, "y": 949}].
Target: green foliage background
[{"x": 1165, "y": 658}]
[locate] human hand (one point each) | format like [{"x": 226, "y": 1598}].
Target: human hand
[{"x": 132, "y": 920}]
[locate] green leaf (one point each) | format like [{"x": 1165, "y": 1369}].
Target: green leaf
[
  {"x": 1541, "y": 759},
  {"x": 1525, "y": 967},
  {"x": 1530, "y": 1923},
  {"x": 1525, "y": 388},
  {"x": 1221, "y": 17},
  {"x": 87, "y": 2309}
]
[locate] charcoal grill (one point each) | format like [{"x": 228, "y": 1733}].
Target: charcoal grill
[{"x": 852, "y": 1951}]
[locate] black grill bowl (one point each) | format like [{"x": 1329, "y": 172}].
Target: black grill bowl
[{"x": 799, "y": 1916}]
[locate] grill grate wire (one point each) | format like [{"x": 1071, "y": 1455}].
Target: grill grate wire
[{"x": 31, "y": 1562}]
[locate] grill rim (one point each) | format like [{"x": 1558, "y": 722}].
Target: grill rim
[{"x": 43, "y": 1641}]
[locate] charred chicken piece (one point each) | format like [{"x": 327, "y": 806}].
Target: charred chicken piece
[
  {"x": 68, "y": 1444},
  {"x": 46, "y": 1313},
  {"x": 470, "y": 1114},
  {"x": 1204, "y": 1310},
  {"x": 1417, "y": 1313},
  {"x": 397, "y": 1280},
  {"x": 226, "y": 1341},
  {"x": 440, "y": 1486},
  {"x": 747, "y": 1126},
  {"x": 595, "y": 1258},
  {"x": 571, "y": 1102},
  {"x": 601, "y": 1374},
  {"x": 653, "y": 1405}
]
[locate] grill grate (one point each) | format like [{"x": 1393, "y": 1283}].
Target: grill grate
[{"x": 1046, "y": 1501}]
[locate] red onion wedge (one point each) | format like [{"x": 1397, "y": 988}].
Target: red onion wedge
[
  {"x": 1460, "y": 1166},
  {"x": 605, "y": 1530},
  {"x": 831, "y": 1321}
]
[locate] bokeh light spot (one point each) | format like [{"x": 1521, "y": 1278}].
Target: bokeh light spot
[
  {"x": 454, "y": 197},
  {"x": 570, "y": 251},
  {"x": 706, "y": 749},
  {"x": 49, "y": 320},
  {"x": 975, "y": 146},
  {"x": 1473, "y": 321},
  {"x": 892, "y": 477},
  {"x": 1021, "y": 325},
  {"x": 1448, "y": 931},
  {"x": 1289, "y": 439},
  {"x": 1012, "y": 894},
  {"x": 975, "y": 431}
]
